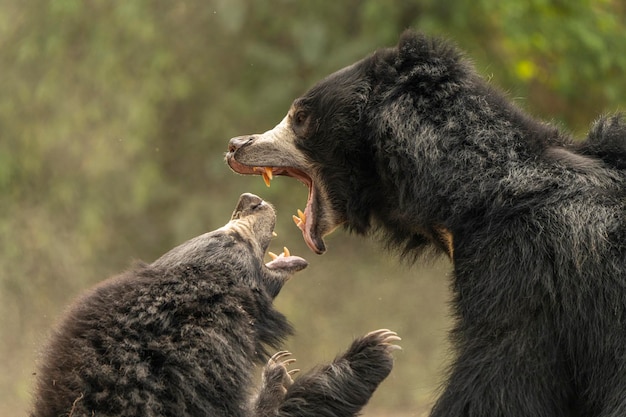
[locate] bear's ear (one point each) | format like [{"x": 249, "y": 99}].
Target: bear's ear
[
  {"x": 429, "y": 58},
  {"x": 415, "y": 48}
]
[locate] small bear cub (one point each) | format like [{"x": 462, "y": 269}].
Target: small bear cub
[{"x": 181, "y": 336}]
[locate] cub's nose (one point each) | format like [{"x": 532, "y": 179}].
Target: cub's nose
[
  {"x": 249, "y": 204},
  {"x": 238, "y": 142},
  {"x": 248, "y": 201}
]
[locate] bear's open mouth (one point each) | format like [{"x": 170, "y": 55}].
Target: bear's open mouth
[{"x": 304, "y": 220}]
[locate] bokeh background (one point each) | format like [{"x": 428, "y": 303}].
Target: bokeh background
[{"x": 114, "y": 120}]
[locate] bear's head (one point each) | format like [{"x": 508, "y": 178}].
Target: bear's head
[
  {"x": 333, "y": 136},
  {"x": 311, "y": 144}
]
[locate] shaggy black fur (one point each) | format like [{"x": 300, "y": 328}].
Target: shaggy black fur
[
  {"x": 180, "y": 337},
  {"x": 411, "y": 142},
  {"x": 607, "y": 139}
]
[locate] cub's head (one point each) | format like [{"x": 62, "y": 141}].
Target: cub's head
[{"x": 236, "y": 251}]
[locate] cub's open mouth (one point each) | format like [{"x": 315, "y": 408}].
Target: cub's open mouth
[
  {"x": 255, "y": 219},
  {"x": 305, "y": 220}
]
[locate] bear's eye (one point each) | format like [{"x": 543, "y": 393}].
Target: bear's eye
[{"x": 300, "y": 118}]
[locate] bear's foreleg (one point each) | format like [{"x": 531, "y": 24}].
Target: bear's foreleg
[{"x": 343, "y": 387}]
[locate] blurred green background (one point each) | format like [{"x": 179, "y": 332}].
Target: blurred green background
[{"x": 115, "y": 116}]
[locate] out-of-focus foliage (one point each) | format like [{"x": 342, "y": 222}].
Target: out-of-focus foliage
[{"x": 114, "y": 117}]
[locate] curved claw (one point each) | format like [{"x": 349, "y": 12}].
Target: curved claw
[
  {"x": 392, "y": 338},
  {"x": 278, "y": 356},
  {"x": 385, "y": 334},
  {"x": 394, "y": 347},
  {"x": 288, "y": 362},
  {"x": 386, "y": 337},
  {"x": 378, "y": 332}
]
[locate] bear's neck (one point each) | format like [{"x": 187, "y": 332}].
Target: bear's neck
[{"x": 450, "y": 164}]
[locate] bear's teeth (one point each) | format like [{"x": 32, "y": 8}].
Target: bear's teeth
[
  {"x": 266, "y": 173},
  {"x": 272, "y": 255},
  {"x": 299, "y": 220},
  {"x": 301, "y": 216},
  {"x": 268, "y": 176},
  {"x": 274, "y": 234},
  {"x": 286, "y": 251},
  {"x": 266, "y": 179}
]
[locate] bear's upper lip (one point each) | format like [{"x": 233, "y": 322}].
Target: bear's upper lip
[{"x": 306, "y": 221}]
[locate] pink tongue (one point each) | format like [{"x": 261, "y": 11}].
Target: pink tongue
[{"x": 293, "y": 263}]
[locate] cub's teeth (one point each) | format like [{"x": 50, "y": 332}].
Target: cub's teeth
[{"x": 282, "y": 255}]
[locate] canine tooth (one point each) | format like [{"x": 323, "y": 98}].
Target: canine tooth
[
  {"x": 300, "y": 219},
  {"x": 297, "y": 220},
  {"x": 272, "y": 255},
  {"x": 266, "y": 179},
  {"x": 286, "y": 251},
  {"x": 302, "y": 216},
  {"x": 266, "y": 173},
  {"x": 274, "y": 234}
]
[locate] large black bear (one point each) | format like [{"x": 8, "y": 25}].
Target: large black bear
[
  {"x": 410, "y": 142},
  {"x": 180, "y": 337}
]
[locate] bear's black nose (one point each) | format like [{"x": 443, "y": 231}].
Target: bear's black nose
[{"x": 238, "y": 142}]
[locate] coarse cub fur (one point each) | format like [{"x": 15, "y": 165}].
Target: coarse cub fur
[
  {"x": 412, "y": 143},
  {"x": 181, "y": 336}
]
